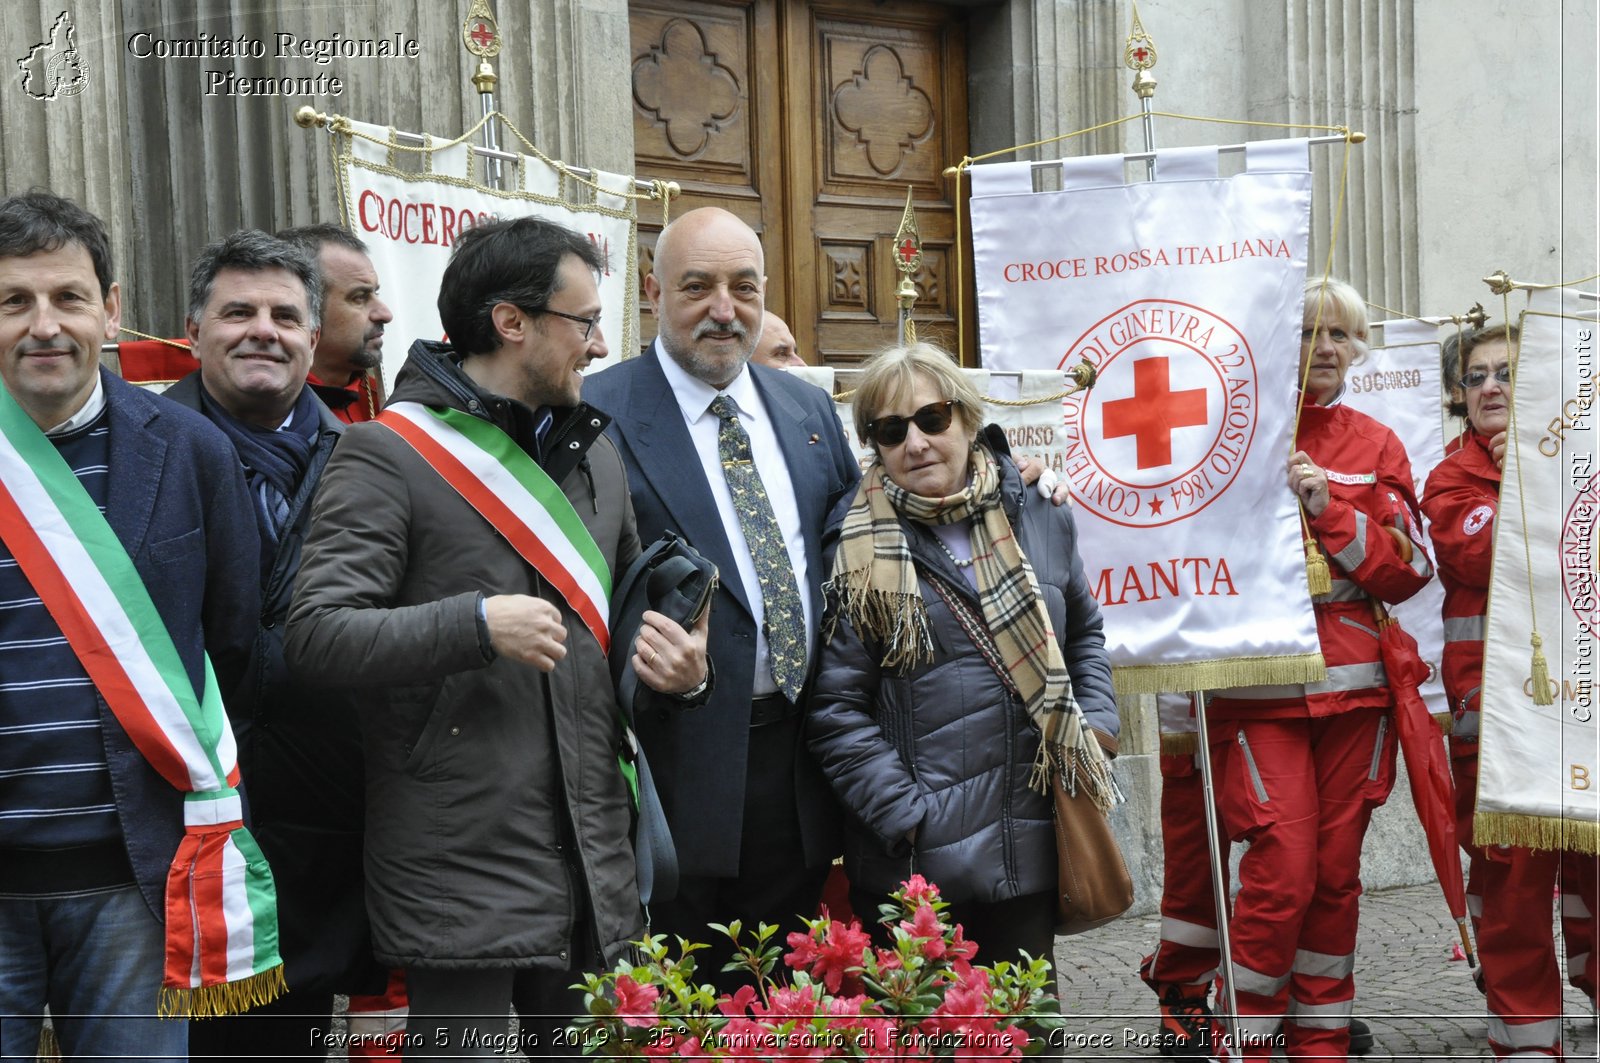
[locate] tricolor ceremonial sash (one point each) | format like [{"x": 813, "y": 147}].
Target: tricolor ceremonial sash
[
  {"x": 1398, "y": 385},
  {"x": 508, "y": 489},
  {"x": 1185, "y": 294},
  {"x": 221, "y": 910},
  {"x": 1539, "y": 765}
]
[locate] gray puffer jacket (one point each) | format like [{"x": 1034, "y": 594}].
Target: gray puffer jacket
[{"x": 943, "y": 747}]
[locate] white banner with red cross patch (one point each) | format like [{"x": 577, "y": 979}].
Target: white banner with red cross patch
[
  {"x": 1399, "y": 385},
  {"x": 1539, "y": 765},
  {"x": 408, "y": 204},
  {"x": 1185, "y": 295}
]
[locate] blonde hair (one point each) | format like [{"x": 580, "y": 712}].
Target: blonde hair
[
  {"x": 1342, "y": 306},
  {"x": 894, "y": 371}
]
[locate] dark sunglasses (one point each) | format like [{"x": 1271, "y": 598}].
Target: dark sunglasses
[
  {"x": 1475, "y": 379},
  {"x": 931, "y": 420}
]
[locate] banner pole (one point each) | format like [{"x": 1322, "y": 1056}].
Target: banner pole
[
  {"x": 1139, "y": 55},
  {"x": 1219, "y": 885},
  {"x": 481, "y": 36}
]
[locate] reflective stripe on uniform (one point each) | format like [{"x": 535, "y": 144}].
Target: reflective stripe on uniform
[
  {"x": 1463, "y": 629},
  {"x": 1334, "y": 1016},
  {"x": 1542, "y": 1034},
  {"x": 1475, "y": 905},
  {"x": 1344, "y": 590},
  {"x": 1572, "y": 907},
  {"x": 1192, "y": 934},
  {"x": 1466, "y": 726},
  {"x": 1341, "y": 677},
  {"x": 1576, "y": 964},
  {"x": 1324, "y": 964},
  {"x": 1262, "y": 985},
  {"x": 1351, "y": 556}
]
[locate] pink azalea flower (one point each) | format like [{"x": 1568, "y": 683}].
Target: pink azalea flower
[
  {"x": 636, "y": 1004},
  {"x": 918, "y": 889},
  {"x": 925, "y": 924},
  {"x": 831, "y": 959}
]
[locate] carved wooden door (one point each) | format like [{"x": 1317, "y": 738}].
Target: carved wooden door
[{"x": 809, "y": 118}]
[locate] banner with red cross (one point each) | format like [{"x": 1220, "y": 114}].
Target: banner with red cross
[{"x": 1184, "y": 293}]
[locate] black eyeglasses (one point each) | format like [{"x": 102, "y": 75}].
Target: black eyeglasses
[
  {"x": 933, "y": 419},
  {"x": 588, "y": 323},
  {"x": 1476, "y": 379}
]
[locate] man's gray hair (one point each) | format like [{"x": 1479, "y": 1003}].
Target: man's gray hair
[{"x": 252, "y": 251}]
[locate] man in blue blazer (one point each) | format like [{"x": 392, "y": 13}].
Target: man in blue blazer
[
  {"x": 88, "y": 828},
  {"x": 752, "y": 817}
]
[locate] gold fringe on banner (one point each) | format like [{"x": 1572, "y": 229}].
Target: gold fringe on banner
[
  {"x": 1219, "y": 674},
  {"x": 225, "y": 998},
  {"x": 1179, "y": 743},
  {"x": 1535, "y": 832},
  {"x": 1446, "y": 722}
]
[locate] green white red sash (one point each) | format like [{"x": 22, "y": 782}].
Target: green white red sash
[
  {"x": 509, "y": 490},
  {"x": 221, "y": 909}
]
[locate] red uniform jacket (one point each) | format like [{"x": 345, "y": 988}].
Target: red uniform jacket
[{"x": 1370, "y": 492}]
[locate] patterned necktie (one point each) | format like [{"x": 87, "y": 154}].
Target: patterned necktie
[{"x": 786, "y": 624}]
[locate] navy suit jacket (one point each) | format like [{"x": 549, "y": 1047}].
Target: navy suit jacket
[
  {"x": 177, "y": 502},
  {"x": 698, "y": 756}
]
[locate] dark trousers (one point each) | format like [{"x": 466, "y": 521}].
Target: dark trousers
[{"x": 773, "y": 884}]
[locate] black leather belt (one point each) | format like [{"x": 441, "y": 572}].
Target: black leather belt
[{"x": 771, "y": 708}]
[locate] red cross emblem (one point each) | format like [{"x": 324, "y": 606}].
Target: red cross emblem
[
  {"x": 1141, "y": 53},
  {"x": 907, "y": 249},
  {"x": 1153, "y": 412},
  {"x": 481, "y": 36}
]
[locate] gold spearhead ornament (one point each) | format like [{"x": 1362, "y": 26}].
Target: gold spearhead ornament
[
  {"x": 1139, "y": 53},
  {"x": 907, "y": 242},
  {"x": 479, "y": 31}
]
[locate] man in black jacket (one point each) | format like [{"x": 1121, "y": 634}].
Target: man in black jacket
[{"x": 253, "y": 319}]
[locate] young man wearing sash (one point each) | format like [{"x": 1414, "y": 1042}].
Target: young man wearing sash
[
  {"x": 457, "y": 574},
  {"x": 252, "y": 320},
  {"x": 127, "y": 557}
]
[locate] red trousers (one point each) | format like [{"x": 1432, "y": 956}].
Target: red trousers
[
  {"x": 1187, "y": 954},
  {"x": 1509, "y": 894},
  {"x": 1301, "y": 791}
]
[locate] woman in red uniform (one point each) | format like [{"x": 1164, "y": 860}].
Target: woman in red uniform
[
  {"x": 1304, "y": 766},
  {"x": 1507, "y": 887}
]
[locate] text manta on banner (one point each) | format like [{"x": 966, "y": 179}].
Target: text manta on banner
[{"x": 1185, "y": 294}]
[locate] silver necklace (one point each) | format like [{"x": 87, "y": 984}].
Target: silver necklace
[{"x": 953, "y": 558}]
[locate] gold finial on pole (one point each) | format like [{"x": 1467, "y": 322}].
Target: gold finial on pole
[
  {"x": 1476, "y": 317},
  {"x": 1499, "y": 282},
  {"x": 481, "y": 35},
  {"x": 1139, "y": 55},
  {"x": 907, "y": 258},
  {"x": 308, "y": 116}
]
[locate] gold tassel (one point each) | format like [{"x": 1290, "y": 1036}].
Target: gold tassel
[
  {"x": 1319, "y": 580},
  {"x": 224, "y": 998},
  {"x": 1541, "y": 672},
  {"x": 49, "y": 1050},
  {"x": 1446, "y": 722}
]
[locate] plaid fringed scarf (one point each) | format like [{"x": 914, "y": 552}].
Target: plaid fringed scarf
[{"x": 875, "y": 583}]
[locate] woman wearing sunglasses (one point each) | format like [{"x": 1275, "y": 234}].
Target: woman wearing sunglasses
[
  {"x": 962, "y": 660},
  {"x": 1303, "y": 767},
  {"x": 1520, "y": 973}
]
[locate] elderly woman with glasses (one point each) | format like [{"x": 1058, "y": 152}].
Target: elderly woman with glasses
[
  {"x": 962, "y": 662},
  {"x": 1504, "y": 884},
  {"x": 1303, "y": 767}
]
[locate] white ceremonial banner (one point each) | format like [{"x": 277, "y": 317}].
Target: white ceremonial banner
[
  {"x": 1399, "y": 384},
  {"x": 1185, "y": 294},
  {"x": 408, "y": 207},
  {"x": 1539, "y": 765}
]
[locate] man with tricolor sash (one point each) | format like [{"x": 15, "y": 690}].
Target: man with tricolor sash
[
  {"x": 458, "y": 575},
  {"x": 128, "y": 885}
]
